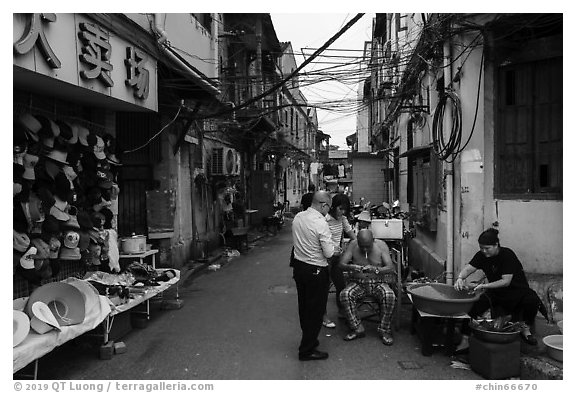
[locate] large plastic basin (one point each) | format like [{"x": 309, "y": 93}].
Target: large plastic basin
[
  {"x": 554, "y": 346},
  {"x": 441, "y": 299}
]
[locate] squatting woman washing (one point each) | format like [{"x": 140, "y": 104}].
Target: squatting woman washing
[{"x": 507, "y": 291}]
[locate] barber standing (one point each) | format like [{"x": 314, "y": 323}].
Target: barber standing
[{"x": 312, "y": 248}]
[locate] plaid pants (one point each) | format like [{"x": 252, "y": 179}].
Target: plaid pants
[{"x": 357, "y": 290}]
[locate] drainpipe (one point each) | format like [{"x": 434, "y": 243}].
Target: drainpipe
[
  {"x": 258, "y": 66},
  {"x": 449, "y": 171},
  {"x": 215, "y": 46},
  {"x": 166, "y": 49}
]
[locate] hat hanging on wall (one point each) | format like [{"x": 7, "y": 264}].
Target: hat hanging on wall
[
  {"x": 83, "y": 133},
  {"x": 99, "y": 149},
  {"x": 31, "y": 125},
  {"x": 21, "y": 241},
  {"x": 43, "y": 251},
  {"x": 105, "y": 179},
  {"x": 64, "y": 300},
  {"x": 84, "y": 240},
  {"x": 68, "y": 134},
  {"x": 51, "y": 226},
  {"x": 19, "y": 138},
  {"x": 34, "y": 208},
  {"x": 60, "y": 215},
  {"x": 55, "y": 246},
  {"x": 49, "y": 131},
  {"x": 57, "y": 156},
  {"x": 70, "y": 254},
  {"x": 71, "y": 175},
  {"x": 71, "y": 239},
  {"x": 84, "y": 220},
  {"x": 20, "y": 327},
  {"x": 72, "y": 223},
  {"x": 27, "y": 260},
  {"x": 29, "y": 161}
]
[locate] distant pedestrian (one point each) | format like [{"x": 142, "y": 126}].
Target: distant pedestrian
[
  {"x": 312, "y": 248},
  {"x": 306, "y": 200}
]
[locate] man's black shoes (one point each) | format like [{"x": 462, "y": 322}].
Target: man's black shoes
[{"x": 314, "y": 355}]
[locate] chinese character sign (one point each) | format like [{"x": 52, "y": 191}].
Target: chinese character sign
[
  {"x": 34, "y": 34},
  {"x": 136, "y": 75},
  {"x": 96, "y": 53}
]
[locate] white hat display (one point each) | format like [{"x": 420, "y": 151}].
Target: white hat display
[
  {"x": 20, "y": 327},
  {"x": 43, "y": 319}
]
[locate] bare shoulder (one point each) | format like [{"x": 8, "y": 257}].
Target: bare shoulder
[
  {"x": 353, "y": 243},
  {"x": 381, "y": 244}
]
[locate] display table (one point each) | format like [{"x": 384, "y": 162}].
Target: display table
[
  {"x": 141, "y": 256},
  {"x": 137, "y": 299},
  {"x": 37, "y": 345},
  {"x": 435, "y": 330}
]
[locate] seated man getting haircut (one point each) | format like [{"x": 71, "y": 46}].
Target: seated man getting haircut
[{"x": 368, "y": 260}]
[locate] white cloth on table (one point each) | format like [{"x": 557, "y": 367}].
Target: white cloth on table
[{"x": 37, "y": 345}]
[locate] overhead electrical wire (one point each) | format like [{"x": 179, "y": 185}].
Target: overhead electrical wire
[{"x": 354, "y": 69}]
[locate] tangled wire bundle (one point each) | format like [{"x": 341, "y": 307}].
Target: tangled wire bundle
[{"x": 447, "y": 149}]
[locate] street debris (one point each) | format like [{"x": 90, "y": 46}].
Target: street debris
[
  {"x": 214, "y": 267},
  {"x": 229, "y": 253},
  {"x": 460, "y": 365}
]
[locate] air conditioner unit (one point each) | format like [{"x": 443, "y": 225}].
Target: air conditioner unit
[
  {"x": 238, "y": 163},
  {"x": 225, "y": 161}
]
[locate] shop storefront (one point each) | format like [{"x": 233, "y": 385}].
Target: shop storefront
[{"x": 76, "y": 85}]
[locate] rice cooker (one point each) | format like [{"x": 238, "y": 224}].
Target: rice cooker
[{"x": 134, "y": 244}]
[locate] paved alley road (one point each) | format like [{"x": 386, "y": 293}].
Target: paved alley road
[{"x": 241, "y": 322}]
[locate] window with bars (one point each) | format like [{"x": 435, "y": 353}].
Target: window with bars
[{"x": 529, "y": 130}]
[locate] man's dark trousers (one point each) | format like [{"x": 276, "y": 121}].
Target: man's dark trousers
[{"x": 312, "y": 284}]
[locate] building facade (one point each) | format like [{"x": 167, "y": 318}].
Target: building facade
[{"x": 469, "y": 111}]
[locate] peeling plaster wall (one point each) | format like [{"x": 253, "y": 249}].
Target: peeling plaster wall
[{"x": 532, "y": 228}]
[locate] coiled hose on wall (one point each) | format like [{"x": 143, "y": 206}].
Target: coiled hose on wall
[{"x": 447, "y": 148}]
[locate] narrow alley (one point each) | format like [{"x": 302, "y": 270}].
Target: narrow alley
[{"x": 241, "y": 322}]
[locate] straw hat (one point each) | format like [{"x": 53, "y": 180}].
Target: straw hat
[
  {"x": 90, "y": 294},
  {"x": 64, "y": 300},
  {"x": 42, "y": 319},
  {"x": 20, "y": 327},
  {"x": 57, "y": 156},
  {"x": 31, "y": 124}
]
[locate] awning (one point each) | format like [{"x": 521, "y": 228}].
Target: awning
[{"x": 417, "y": 151}]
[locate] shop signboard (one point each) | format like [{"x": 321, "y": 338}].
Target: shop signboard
[{"x": 76, "y": 50}]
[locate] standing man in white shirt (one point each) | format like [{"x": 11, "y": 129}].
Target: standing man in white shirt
[{"x": 312, "y": 248}]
